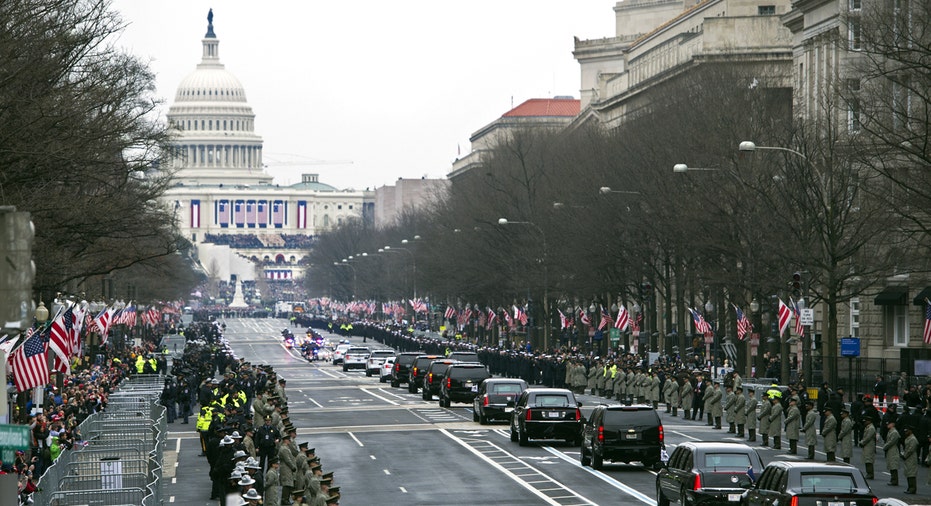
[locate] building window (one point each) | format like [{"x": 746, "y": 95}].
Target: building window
[
  {"x": 766, "y": 10},
  {"x": 900, "y": 325},
  {"x": 853, "y": 33},
  {"x": 350, "y": 207},
  {"x": 853, "y": 105},
  {"x": 339, "y": 206},
  {"x": 855, "y": 5},
  {"x": 855, "y": 317}
]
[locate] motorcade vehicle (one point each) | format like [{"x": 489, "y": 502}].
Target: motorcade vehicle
[
  {"x": 338, "y": 352},
  {"x": 434, "y": 377},
  {"x": 707, "y": 473},
  {"x": 464, "y": 356},
  {"x": 546, "y": 413},
  {"x": 386, "y": 369},
  {"x": 402, "y": 367},
  {"x": 461, "y": 383},
  {"x": 495, "y": 399},
  {"x": 355, "y": 358},
  {"x": 419, "y": 370},
  {"x": 809, "y": 484},
  {"x": 375, "y": 361},
  {"x": 622, "y": 433}
]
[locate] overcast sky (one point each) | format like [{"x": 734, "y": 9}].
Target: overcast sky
[{"x": 397, "y": 88}]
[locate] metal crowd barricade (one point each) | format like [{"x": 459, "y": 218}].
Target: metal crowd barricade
[{"x": 120, "y": 460}]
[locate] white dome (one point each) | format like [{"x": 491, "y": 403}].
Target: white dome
[{"x": 211, "y": 85}]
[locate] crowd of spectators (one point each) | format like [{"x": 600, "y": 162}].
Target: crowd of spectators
[{"x": 241, "y": 241}]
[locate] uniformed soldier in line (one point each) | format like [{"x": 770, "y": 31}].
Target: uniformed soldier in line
[
  {"x": 287, "y": 469},
  {"x": 750, "y": 414},
  {"x": 687, "y": 396},
  {"x": 829, "y": 433},
  {"x": 766, "y": 408},
  {"x": 891, "y": 448},
  {"x": 910, "y": 458},
  {"x": 708, "y": 401},
  {"x": 810, "y": 428},
  {"x": 602, "y": 377},
  {"x": 592, "y": 378},
  {"x": 868, "y": 443},
  {"x": 672, "y": 397},
  {"x": 775, "y": 422},
  {"x": 717, "y": 406},
  {"x": 272, "y": 495},
  {"x": 845, "y": 436},
  {"x": 730, "y": 401},
  {"x": 740, "y": 416},
  {"x": 793, "y": 423},
  {"x": 653, "y": 385}
]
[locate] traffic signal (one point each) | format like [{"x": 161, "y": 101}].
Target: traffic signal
[
  {"x": 797, "y": 283},
  {"x": 17, "y": 270}
]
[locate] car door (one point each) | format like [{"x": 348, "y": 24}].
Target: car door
[
  {"x": 768, "y": 493},
  {"x": 519, "y": 407},
  {"x": 681, "y": 475},
  {"x": 668, "y": 481},
  {"x": 589, "y": 429},
  {"x": 477, "y": 401}
]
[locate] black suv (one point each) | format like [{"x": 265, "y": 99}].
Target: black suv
[
  {"x": 419, "y": 370},
  {"x": 713, "y": 472},
  {"x": 462, "y": 381},
  {"x": 434, "y": 377},
  {"x": 402, "y": 367},
  {"x": 546, "y": 413},
  {"x": 622, "y": 434}
]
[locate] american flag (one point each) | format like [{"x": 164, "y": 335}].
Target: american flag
[
  {"x": 103, "y": 323},
  {"x": 128, "y": 315},
  {"x": 418, "y": 305},
  {"x": 464, "y": 316},
  {"x": 60, "y": 341},
  {"x": 785, "y": 316},
  {"x": 623, "y": 318},
  {"x": 701, "y": 326},
  {"x": 278, "y": 213},
  {"x": 509, "y": 320},
  {"x": 605, "y": 319},
  {"x": 797, "y": 312},
  {"x": 30, "y": 362},
  {"x": 520, "y": 315},
  {"x": 744, "y": 326},
  {"x": 481, "y": 319},
  {"x": 77, "y": 328},
  {"x": 635, "y": 323},
  {"x": 262, "y": 213},
  {"x": 223, "y": 213},
  {"x": 563, "y": 320},
  {"x": 450, "y": 313},
  {"x": 492, "y": 316},
  {"x": 927, "y": 334},
  {"x": 584, "y": 317},
  {"x": 239, "y": 213}
]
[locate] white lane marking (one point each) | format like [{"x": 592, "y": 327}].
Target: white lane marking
[
  {"x": 503, "y": 470},
  {"x": 386, "y": 471},
  {"x": 388, "y": 392},
  {"x": 178, "y": 446},
  {"x": 404, "y": 490},
  {"x": 605, "y": 478},
  {"x": 315, "y": 402},
  {"x": 353, "y": 436},
  {"x": 693, "y": 438},
  {"x": 373, "y": 457},
  {"x": 373, "y": 394},
  {"x": 330, "y": 374},
  {"x": 171, "y": 499}
]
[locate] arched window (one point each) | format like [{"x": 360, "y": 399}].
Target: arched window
[
  {"x": 279, "y": 258},
  {"x": 292, "y": 259}
]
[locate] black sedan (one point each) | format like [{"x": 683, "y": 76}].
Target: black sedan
[
  {"x": 707, "y": 473},
  {"x": 810, "y": 484},
  {"x": 495, "y": 399},
  {"x": 546, "y": 413}
]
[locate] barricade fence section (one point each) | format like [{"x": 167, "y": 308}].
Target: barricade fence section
[{"x": 119, "y": 461}]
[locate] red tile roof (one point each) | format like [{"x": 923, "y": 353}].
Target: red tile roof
[{"x": 546, "y": 107}]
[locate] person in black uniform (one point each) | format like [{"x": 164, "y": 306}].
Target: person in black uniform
[
  {"x": 266, "y": 437},
  {"x": 698, "y": 396}
]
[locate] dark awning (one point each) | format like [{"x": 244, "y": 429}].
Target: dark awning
[
  {"x": 922, "y": 297},
  {"x": 892, "y": 296}
]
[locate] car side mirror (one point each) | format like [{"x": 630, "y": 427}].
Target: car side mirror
[{"x": 579, "y": 404}]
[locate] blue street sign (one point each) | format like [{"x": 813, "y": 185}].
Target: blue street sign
[{"x": 850, "y": 346}]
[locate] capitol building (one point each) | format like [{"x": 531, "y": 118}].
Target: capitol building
[{"x": 242, "y": 225}]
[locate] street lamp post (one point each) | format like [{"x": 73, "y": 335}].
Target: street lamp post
[
  {"x": 713, "y": 347},
  {"x": 546, "y": 303},
  {"x": 345, "y": 263},
  {"x": 413, "y": 260}
]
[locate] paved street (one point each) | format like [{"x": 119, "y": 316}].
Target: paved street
[{"x": 388, "y": 446}]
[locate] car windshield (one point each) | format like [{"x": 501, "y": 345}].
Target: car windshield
[
  {"x": 820, "y": 482},
  {"x": 506, "y": 388},
  {"x": 469, "y": 373},
  {"x": 552, "y": 401},
  {"x": 721, "y": 461},
  {"x": 632, "y": 417}
]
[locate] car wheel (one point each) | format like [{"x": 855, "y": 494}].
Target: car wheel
[
  {"x": 684, "y": 498},
  {"x": 368, "y": 374},
  {"x": 522, "y": 439},
  {"x": 660, "y": 498},
  {"x": 474, "y": 416},
  {"x": 345, "y": 369},
  {"x": 425, "y": 396},
  {"x": 395, "y": 384},
  {"x": 513, "y": 435},
  {"x": 412, "y": 388},
  {"x": 597, "y": 461},
  {"x": 382, "y": 380},
  {"x": 482, "y": 419},
  {"x": 585, "y": 459}
]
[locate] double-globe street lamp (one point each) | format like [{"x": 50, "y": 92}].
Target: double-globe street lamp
[{"x": 546, "y": 306}]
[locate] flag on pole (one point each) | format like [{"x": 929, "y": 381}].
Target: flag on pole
[
  {"x": 450, "y": 313},
  {"x": 623, "y": 318},
  {"x": 744, "y": 326},
  {"x": 102, "y": 321},
  {"x": 635, "y": 323},
  {"x": 797, "y": 313},
  {"x": 584, "y": 317},
  {"x": 520, "y": 315},
  {"x": 701, "y": 326},
  {"x": 605, "y": 319},
  {"x": 785, "y": 316},
  {"x": 927, "y": 334},
  {"x": 60, "y": 341},
  {"x": 30, "y": 362},
  {"x": 492, "y": 316},
  {"x": 563, "y": 320}
]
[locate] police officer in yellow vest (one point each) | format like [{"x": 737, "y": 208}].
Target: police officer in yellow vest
[
  {"x": 203, "y": 425},
  {"x": 140, "y": 363}
]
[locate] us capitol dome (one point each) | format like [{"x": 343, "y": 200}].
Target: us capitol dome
[{"x": 242, "y": 224}]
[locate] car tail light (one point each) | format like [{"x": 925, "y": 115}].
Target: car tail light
[
  {"x": 449, "y": 382},
  {"x": 697, "y": 484},
  {"x": 662, "y": 434},
  {"x": 430, "y": 378},
  {"x": 397, "y": 367},
  {"x": 875, "y": 500},
  {"x": 794, "y": 501},
  {"x": 601, "y": 433},
  {"x": 528, "y": 417},
  {"x": 485, "y": 400},
  {"x": 578, "y": 414},
  {"x": 414, "y": 372}
]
